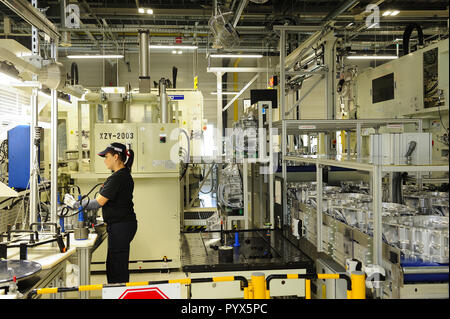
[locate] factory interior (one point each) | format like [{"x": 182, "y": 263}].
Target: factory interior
[{"x": 280, "y": 149}]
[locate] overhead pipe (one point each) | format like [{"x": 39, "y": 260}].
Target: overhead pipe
[
  {"x": 144, "y": 62},
  {"x": 163, "y": 101},
  {"x": 299, "y": 52},
  {"x": 341, "y": 9},
  {"x": 239, "y": 11}
]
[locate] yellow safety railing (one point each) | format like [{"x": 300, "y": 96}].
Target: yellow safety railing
[
  {"x": 356, "y": 285},
  {"x": 184, "y": 281},
  {"x": 257, "y": 288}
]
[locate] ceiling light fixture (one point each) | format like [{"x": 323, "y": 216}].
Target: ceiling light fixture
[
  {"x": 256, "y": 56},
  {"x": 185, "y": 47},
  {"x": 372, "y": 57},
  {"x": 395, "y": 12},
  {"x": 96, "y": 56},
  {"x": 145, "y": 10},
  {"x": 225, "y": 93},
  {"x": 387, "y": 13}
]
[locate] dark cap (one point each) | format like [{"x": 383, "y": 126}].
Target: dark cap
[{"x": 114, "y": 147}]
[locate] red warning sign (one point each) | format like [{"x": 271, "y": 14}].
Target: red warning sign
[
  {"x": 162, "y": 291},
  {"x": 143, "y": 293}
]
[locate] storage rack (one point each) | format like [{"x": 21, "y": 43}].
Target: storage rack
[
  {"x": 376, "y": 168},
  {"x": 298, "y": 127}
]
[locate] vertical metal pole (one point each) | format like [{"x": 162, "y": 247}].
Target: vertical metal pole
[
  {"x": 85, "y": 269},
  {"x": 319, "y": 174},
  {"x": 271, "y": 167},
  {"x": 376, "y": 212},
  {"x": 54, "y": 144},
  {"x": 245, "y": 186},
  {"x": 358, "y": 140},
  {"x": 80, "y": 146},
  {"x": 283, "y": 124},
  {"x": 33, "y": 158},
  {"x": 348, "y": 143},
  {"x": 33, "y": 124},
  {"x": 219, "y": 116}
]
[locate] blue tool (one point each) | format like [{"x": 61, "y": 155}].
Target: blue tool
[
  {"x": 61, "y": 219},
  {"x": 80, "y": 211},
  {"x": 236, "y": 240}
]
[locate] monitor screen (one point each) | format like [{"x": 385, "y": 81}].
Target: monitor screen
[{"x": 383, "y": 88}]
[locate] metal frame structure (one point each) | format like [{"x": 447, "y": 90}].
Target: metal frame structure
[
  {"x": 263, "y": 159},
  {"x": 314, "y": 126},
  {"x": 376, "y": 172}
]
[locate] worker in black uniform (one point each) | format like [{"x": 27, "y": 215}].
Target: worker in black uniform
[{"x": 116, "y": 200}]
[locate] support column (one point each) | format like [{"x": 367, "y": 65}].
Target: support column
[
  {"x": 282, "y": 113},
  {"x": 54, "y": 144},
  {"x": 319, "y": 189},
  {"x": 377, "y": 216},
  {"x": 33, "y": 124},
  {"x": 219, "y": 132}
]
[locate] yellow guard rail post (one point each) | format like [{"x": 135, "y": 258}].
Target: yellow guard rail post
[{"x": 356, "y": 286}]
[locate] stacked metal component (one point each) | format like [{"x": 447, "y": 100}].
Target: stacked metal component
[
  {"x": 419, "y": 229},
  {"x": 229, "y": 191}
]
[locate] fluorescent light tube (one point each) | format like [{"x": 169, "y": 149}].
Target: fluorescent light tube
[
  {"x": 395, "y": 12},
  {"x": 257, "y": 56},
  {"x": 225, "y": 93},
  {"x": 372, "y": 57},
  {"x": 173, "y": 47},
  {"x": 386, "y": 13},
  {"x": 98, "y": 56},
  {"x": 141, "y": 10},
  {"x": 149, "y": 11}
]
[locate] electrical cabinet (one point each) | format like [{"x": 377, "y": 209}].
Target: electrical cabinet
[
  {"x": 157, "y": 149},
  {"x": 19, "y": 157}
]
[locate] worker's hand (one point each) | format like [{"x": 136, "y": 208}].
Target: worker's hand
[{"x": 71, "y": 202}]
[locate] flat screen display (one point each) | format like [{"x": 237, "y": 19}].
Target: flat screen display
[{"x": 383, "y": 88}]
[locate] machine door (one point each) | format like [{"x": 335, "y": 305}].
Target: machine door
[{"x": 157, "y": 148}]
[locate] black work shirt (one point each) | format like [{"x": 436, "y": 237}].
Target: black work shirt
[{"x": 118, "y": 188}]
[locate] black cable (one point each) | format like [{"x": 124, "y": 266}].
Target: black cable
[
  {"x": 212, "y": 181},
  {"x": 440, "y": 118},
  {"x": 407, "y": 35},
  {"x": 184, "y": 172},
  {"x": 74, "y": 74}
]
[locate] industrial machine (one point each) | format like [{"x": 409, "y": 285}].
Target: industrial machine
[
  {"x": 164, "y": 128},
  {"x": 413, "y": 222}
]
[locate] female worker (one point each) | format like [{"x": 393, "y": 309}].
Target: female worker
[{"x": 116, "y": 199}]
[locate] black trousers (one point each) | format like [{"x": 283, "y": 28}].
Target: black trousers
[{"x": 120, "y": 236}]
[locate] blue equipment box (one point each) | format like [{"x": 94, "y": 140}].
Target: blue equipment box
[{"x": 19, "y": 157}]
